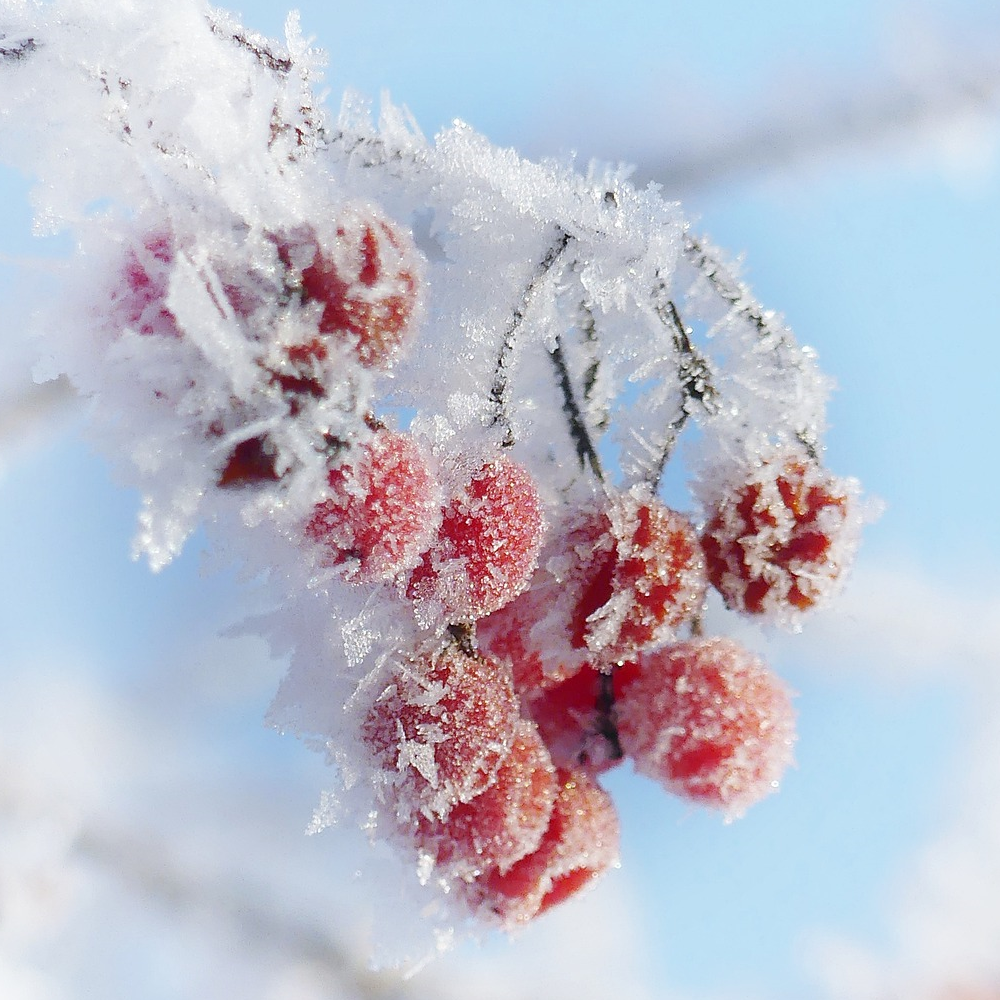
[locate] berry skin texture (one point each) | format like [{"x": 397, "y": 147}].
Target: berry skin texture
[
  {"x": 250, "y": 463},
  {"x": 440, "y": 729},
  {"x": 645, "y": 578},
  {"x": 709, "y": 721},
  {"x": 504, "y": 822},
  {"x": 365, "y": 277},
  {"x": 530, "y": 634},
  {"x": 580, "y": 844},
  {"x": 383, "y": 511},
  {"x": 486, "y": 549},
  {"x": 778, "y": 543}
]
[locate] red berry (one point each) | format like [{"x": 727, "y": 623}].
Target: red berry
[
  {"x": 383, "y": 511},
  {"x": 486, "y": 548},
  {"x": 442, "y": 726},
  {"x": 708, "y": 720},
  {"x": 642, "y": 576},
  {"x": 580, "y": 844},
  {"x": 577, "y": 717},
  {"x": 251, "y": 462},
  {"x": 365, "y": 278},
  {"x": 504, "y": 822},
  {"x": 516, "y": 634},
  {"x": 779, "y": 541}
]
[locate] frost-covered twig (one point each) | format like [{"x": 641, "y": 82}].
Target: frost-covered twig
[
  {"x": 17, "y": 48},
  {"x": 773, "y": 335},
  {"x": 585, "y": 450},
  {"x": 500, "y": 387},
  {"x": 695, "y": 377}
]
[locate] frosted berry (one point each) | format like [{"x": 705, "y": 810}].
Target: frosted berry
[
  {"x": 778, "y": 541},
  {"x": 577, "y": 717},
  {"x": 707, "y": 719},
  {"x": 250, "y": 463},
  {"x": 141, "y": 300},
  {"x": 364, "y": 276},
  {"x": 580, "y": 844},
  {"x": 441, "y": 727},
  {"x": 486, "y": 548},
  {"x": 504, "y": 822},
  {"x": 383, "y": 510},
  {"x": 641, "y": 576},
  {"x": 518, "y": 633}
]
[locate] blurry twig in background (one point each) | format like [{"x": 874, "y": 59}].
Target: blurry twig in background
[
  {"x": 938, "y": 101},
  {"x": 32, "y": 412}
]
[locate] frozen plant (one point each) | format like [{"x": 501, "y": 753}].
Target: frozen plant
[{"x": 433, "y": 395}]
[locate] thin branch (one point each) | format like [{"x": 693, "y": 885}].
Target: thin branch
[
  {"x": 588, "y": 327},
  {"x": 585, "y": 450},
  {"x": 145, "y": 868},
  {"x": 694, "y": 376},
  {"x": 770, "y": 331},
  {"x": 257, "y": 46},
  {"x": 32, "y": 411},
  {"x": 18, "y": 50},
  {"x": 500, "y": 389},
  {"x": 879, "y": 114}
]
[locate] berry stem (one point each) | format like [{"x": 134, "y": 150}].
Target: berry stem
[
  {"x": 695, "y": 380},
  {"x": 605, "y": 715},
  {"x": 585, "y": 450},
  {"x": 17, "y": 50},
  {"x": 771, "y": 332},
  {"x": 588, "y": 328},
  {"x": 500, "y": 389},
  {"x": 463, "y": 635}
]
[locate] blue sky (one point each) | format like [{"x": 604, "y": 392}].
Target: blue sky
[{"x": 888, "y": 264}]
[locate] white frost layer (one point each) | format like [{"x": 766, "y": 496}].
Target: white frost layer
[{"x": 560, "y": 307}]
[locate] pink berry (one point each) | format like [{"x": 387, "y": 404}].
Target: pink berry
[
  {"x": 383, "y": 511},
  {"x": 708, "y": 720},
  {"x": 580, "y": 844},
  {"x": 486, "y": 548},
  {"x": 779, "y": 541},
  {"x": 364, "y": 275},
  {"x": 441, "y": 726},
  {"x": 146, "y": 276},
  {"x": 504, "y": 822}
]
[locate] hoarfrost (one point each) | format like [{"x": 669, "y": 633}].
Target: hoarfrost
[{"x": 568, "y": 318}]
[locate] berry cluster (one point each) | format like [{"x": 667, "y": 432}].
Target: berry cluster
[
  {"x": 480, "y": 621},
  {"x": 318, "y": 306},
  {"x": 554, "y": 639}
]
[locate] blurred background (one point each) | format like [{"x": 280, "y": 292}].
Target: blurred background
[{"x": 152, "y": 827}]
